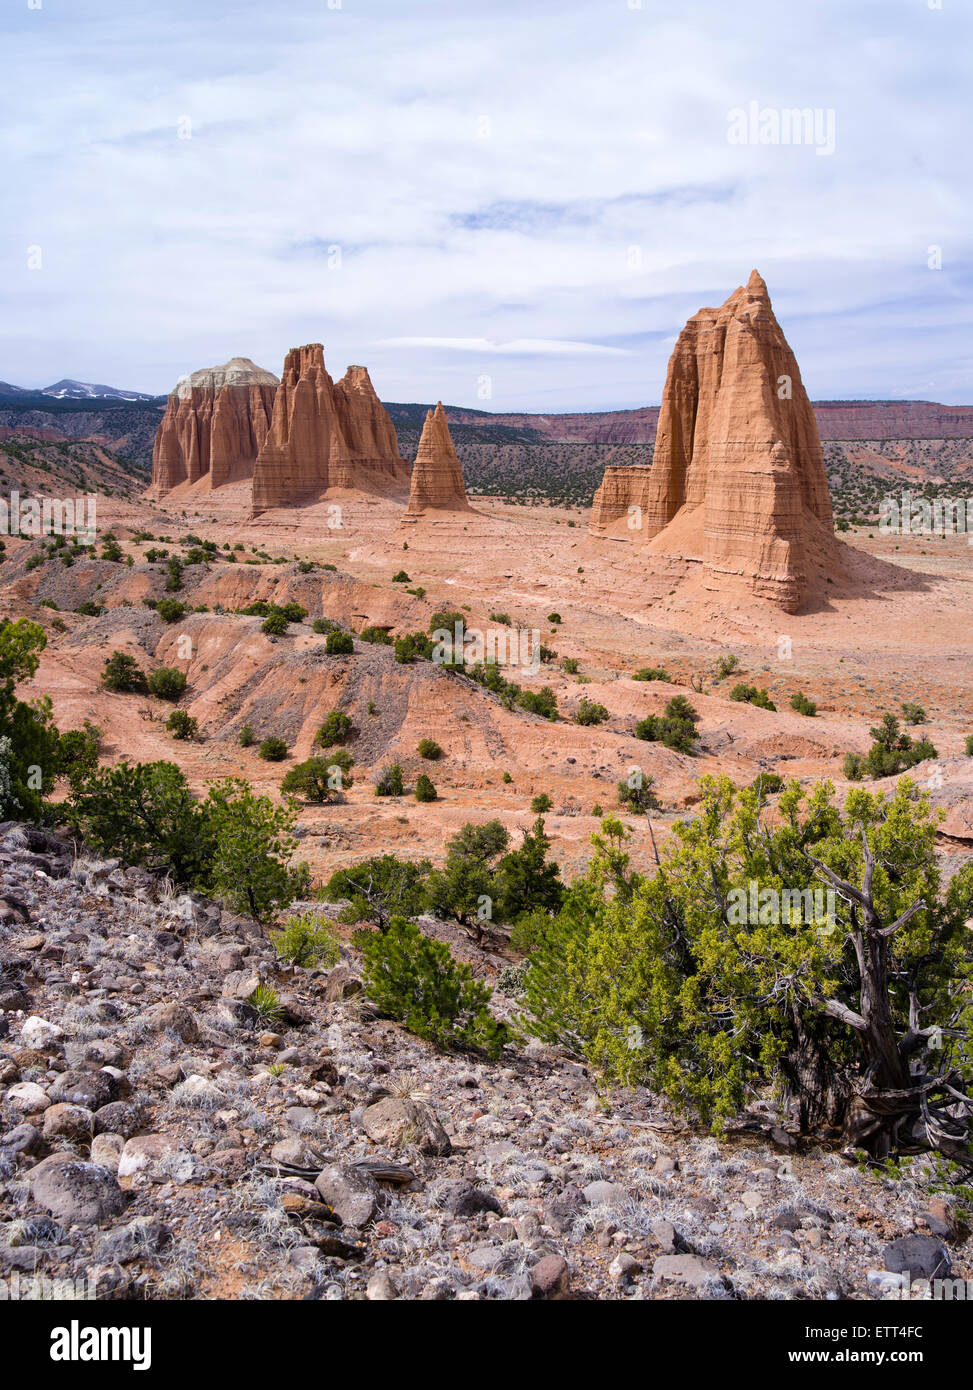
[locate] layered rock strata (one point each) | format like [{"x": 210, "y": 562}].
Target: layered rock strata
[
  {"x": 214, "y": 424},
  {"x": 737, "y": 478},
  {"x": 325, "y": 435},
  {"x": 437, "y": 474}
]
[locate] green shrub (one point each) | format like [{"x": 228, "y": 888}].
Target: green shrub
[
  {"x": 803, "y": 705},
  {"x": 390, "y": 781},
  {"x": 588, "y": 712},
  {"x": 322, "y": 625},
  {"x": 417, "y": 981},
  {"x": 339, "y": 644},
  {"x": 652, "y": 673},
  {"x": 676, "y": 728},
  {"x": 674, "y": 982},
  {"x": 379, "y": 889},
  {"x": 401, "y": 578},
  {"x": 893, "y": 751},
  {"x": 969, "y": 745},
  {"x": 29, "y": 740},
  {"x": 170, "y": 610},
  {"x": 307, "y": 941},
  {"x": 336, "y": 729},
  {"x": 379, "y": 636},
  {"x": 249, "y": 868},
  {"x": 542, "y": 702},
  {"x": 182, "y": 726},
  {"x": 635, "y": 792},
  {"x": 167, "y": 682},
  {"x": 913, "y": 713},
  {"x": 143, "y": 813},
  {"x": 78, "y": 750},
  {"x": 320, "y": 779},
  {"x": 425, "y": 791},
  {"x": 273, "y": 750},
  {"x": 123, "y": 673},
  {"x": 412, "y": 646},
  {"x": 246, "y": 737},
  {"x": 541, "y": 804},
  {"x": 429, "y": 748},
  {"x": 275, "y": 624},
  {"x": 750, "y": 695},
  {"x": 553, "y": 617},
  {"x": 853, "y": 767},
  {"x": 265, "y": 1001},
  {"x": 726, "y": 666},
  {"x": 767, "y": 784},
  {"x": 571, "y": 665},
  {"x": 173, "y": 574}
]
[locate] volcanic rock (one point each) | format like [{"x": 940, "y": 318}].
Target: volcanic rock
[
  {"x": 215, "y": 422},
  {"x": 324, "y": 435},
  {"x": 437, "y": 474}
]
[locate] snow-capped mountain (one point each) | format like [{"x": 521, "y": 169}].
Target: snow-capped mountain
[{"x": 87, "y": 391}]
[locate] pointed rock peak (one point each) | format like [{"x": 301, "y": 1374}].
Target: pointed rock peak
[
  {"x": 357, "y": 379},
  {"x": 304, "y": 359},
  {"x": 737, "y": 478},
  {"x": 436, "y": 438},
  {"x": 437, "y": 476}
]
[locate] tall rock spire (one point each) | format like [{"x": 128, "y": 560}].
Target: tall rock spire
[
  {"x": 437, "y": 474},
  {"x": 737, "y": 478},
  {"x": 325, "y": 435}
]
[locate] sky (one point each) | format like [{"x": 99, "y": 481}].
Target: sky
[{"x": 512, "y": 205}]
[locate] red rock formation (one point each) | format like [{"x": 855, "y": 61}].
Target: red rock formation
[
  {"x": 214, "y": 424},
  {"x": 437, "y": 474},
  {"x": 737, "y": 478},
  {"x": 325, "y": 436},
  {"x": 620, "y": 502}
]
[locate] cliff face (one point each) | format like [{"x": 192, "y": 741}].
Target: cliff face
[
  {"x": 214, "y": 424},
  {"x": 437, "y": 475},
  {"x": 622, "y": 488},
  {"x": 737, "y": 478},
  {"x": 325, "y": 435}
]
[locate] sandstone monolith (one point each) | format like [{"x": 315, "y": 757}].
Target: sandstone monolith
[
  {"x": 325, "y": 435},
  {"x": 437, "y": 474},
  {"x": 215, "y": 421},
  {"x": 737, "y": 479}
]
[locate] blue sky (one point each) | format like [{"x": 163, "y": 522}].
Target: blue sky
[{"x": 510, "y": 204}]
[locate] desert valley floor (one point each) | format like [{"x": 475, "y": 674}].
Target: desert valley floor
[{"x": 857, "y": 655}]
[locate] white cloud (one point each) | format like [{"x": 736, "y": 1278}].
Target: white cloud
[{"x": 547, "y": 188}]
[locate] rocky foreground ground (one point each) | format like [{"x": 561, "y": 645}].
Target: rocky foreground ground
[{"x": 158, "y": 1142}]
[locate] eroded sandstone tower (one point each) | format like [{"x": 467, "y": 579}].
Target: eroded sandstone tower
[
  {"x": 325, "y": 435},
  {"x": 737, "y": 478},
  {"x": 437, "y": 474},
  {"x": 214, "y": 424}
]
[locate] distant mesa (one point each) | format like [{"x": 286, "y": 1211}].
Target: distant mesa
[
  {"x": 214, "y": 424},
  {"x": 325, "y": 435},
  {"x": 437, "y": 475},
  {"x": 737, "y": 481}
]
